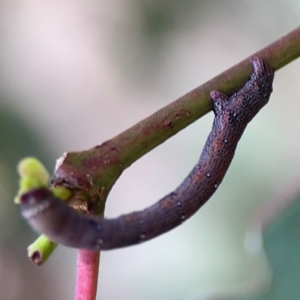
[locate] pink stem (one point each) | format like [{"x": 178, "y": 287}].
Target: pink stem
[{"x": 87, "y": 274}]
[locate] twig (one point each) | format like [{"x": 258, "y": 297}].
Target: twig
[
  {"x": 106, "y": 162},
  {"x": 113, "y": 156}
]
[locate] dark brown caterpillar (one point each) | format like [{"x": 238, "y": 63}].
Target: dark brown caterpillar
[{"x": 51, "y": 216}]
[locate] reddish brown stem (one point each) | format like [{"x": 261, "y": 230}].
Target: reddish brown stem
[
  {"x": 87, "y": 274},
  {"x": 105, "y": 163}
]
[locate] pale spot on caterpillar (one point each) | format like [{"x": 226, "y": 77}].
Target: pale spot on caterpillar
[
  {"x": 99, "y": 242},
  {"x": 38, "y": 208},
  {"x": 232, "y": 114}
]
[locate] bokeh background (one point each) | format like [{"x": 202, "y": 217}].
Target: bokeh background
[{"x": 76, "y": 73}]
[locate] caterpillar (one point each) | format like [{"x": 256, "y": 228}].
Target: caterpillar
[{"x": 52, "y": 217}]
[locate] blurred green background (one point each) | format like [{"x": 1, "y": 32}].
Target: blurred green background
[{"x": 76, "y": 73}]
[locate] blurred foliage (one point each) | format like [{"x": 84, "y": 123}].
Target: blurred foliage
[
  {"x": 282, "y": 246},
  {"x": 17, "y": 140}
]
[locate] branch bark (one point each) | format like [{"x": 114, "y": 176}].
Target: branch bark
[{"x": 105, "y": 163}]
